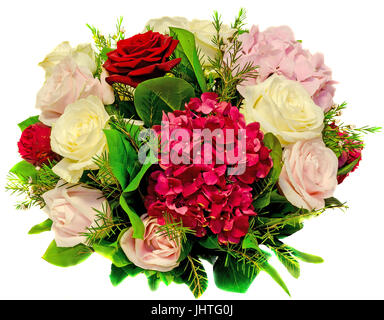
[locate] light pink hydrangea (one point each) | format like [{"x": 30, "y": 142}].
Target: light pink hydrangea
[{"x": 276, "y": 50}]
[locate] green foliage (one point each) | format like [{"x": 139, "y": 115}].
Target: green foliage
[
  {"x": 193, "y": 275},
  {"x": 105, "y": 44},
  {"x": 121, "y": 155},
  {"x": 286, "y": 257},
  {"x": 264, "y": 187},
  {"x": 137, "y": 223},
  {"x": 66, "y": 257},
  {"x": 41, "y": 227},
  {"x": 164, "y": 94},
  {"x": 348, "y": 168},
  {"x": 26, "y": 123},
  {"x": 226, "y": 67},
  {"x": 118, "y": 274},
  {"x": 186, "y": 50},
  {"x": 350, "y": 137},
  {"x": 306, "y": 257},
  {"x": 24, "y": 179},
  {"x": 112, "y": 251}
]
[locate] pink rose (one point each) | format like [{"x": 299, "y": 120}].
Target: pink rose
[
  {"x": 69, "y": 83},
  {"x": 72, "y": 208},
  {"x": 155, "y": 252},
  {"x": 276, "y": 51},
  {"x": 309, "y": 174}
]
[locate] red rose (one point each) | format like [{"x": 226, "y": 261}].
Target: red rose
[
  {"x": 35, "y": 144},
  {"x": 141, "y": 57}
]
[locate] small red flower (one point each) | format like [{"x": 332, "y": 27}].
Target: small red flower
[
  {"x": 141, "y": 57},
  {"x": 35, "y": 144}
]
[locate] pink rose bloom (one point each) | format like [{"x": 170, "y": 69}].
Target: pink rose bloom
[
  {"x": 155, "y": 252},
  {"x": 277, "y": 51},
  {"x": 72, "y": 208},
  {"x": 69, "y": 83},
  {"x": 309, "y": 174}
]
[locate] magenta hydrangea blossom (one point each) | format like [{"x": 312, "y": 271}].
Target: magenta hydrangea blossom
[
  {"x": 276, "y": 50},
  {"x": 204, "y": 195}
]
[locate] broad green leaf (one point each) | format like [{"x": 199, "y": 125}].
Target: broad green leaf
[
  {"x": 275, "y": 276},
  {"x": 194, "y": 275},
  {"x": 210, "y": 242},
  {"x": 117, "y": 274},
  {"x": 66, "y": 257},
  {"x": 348, "y": 168},
  {"x": 41, "y": 227},
  {"x": 164, "y": 94},
  {"x": 135, "y": 182},
  {"x": 26, "y": 123},
  {"x": 232, "y": 275},
  {"x": 137, "y": 223},
  {"x": 186, "y": 247},
  {"x": 112, "y": 251},
  {"x": 188, "y": 47},
  {"x": 271, "y": 142},
  {"x": 306, "y": 257},
  {"x": 153, "y": 281},
  {"x": 24, "y": 170},
  {"x": 118, "y": 157}
]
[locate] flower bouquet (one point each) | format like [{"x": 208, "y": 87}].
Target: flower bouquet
[{"x": 193, "y": 140}]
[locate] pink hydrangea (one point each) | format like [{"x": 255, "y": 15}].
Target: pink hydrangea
[
  {"x": 205, "y": 195},
  {"x": 276, "y": 50}
]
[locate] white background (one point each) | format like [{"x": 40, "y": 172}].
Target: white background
[{"x": 349, "y": 33}]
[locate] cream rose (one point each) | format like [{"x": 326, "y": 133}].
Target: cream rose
[
  {"x": 309, "y": 173},
  {"x": 68, "y": 83},
  {"x": 282, "y": 107},
  {"x": 78, "y": 136},
  {"x": 83, "y": 55},
  {"x": 72, "y": 209},
  {"x": 203, "y": 31},
  {"x": 155, "y": 252}
]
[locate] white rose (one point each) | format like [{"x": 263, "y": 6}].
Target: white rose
[
  {"x": 282, "y": 107},
  {"x": 78, "y": 136},
  {"x": 203, "y": 31},
  {"x": 83, "y": 55}
]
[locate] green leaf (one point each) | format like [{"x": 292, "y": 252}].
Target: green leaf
[
  {"x": 41, "y": 227},
  {"x": 112, "y": 251},
  {"x": 288, "y": 260},
  {"x": 306, "y": 257},
  {"x": 24, "y": 170},
  {"x": 117, "y": 274},
  {"x": 250, "y": 242},
  {"x": 118, "y": 157},
  {"x": 210, "y": 242},
  {"x": 333, "y": 202},
  {"x": 135, "y": 182},
  {"x": 137, "y": 223},
  {"x": 153, "y": 281},
  {"x": 348, "y": 168},
  {"x": 187, "y": 45},
  {"x": 275, "y": 276},
  {"x": 164, "y": 94},
  {"x": 66, "y": 257},
  {"x": 271, "y": 142},
  {"x": 194, "y": 275},
  {"x": 232, "y": 275},
  {"x": 26, "y": 123}
]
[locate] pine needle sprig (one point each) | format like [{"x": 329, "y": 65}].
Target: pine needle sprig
[
  {"x": 104, "y": 179},
  {"x": 340, "y": 137},
  {"x": 174, "y": 230},
  {"x": 104, "y": 226},
  {"x": 32, "y": 189},
  {"x": 226, "y": 64}
]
